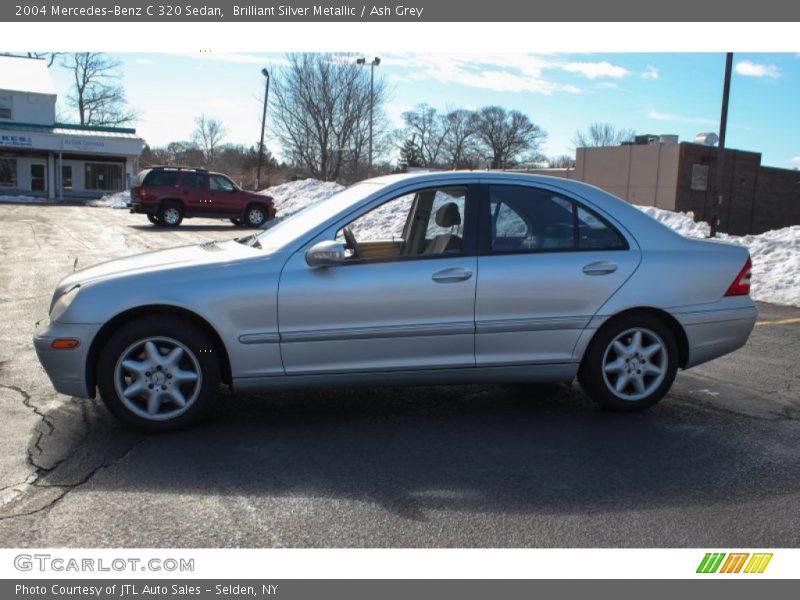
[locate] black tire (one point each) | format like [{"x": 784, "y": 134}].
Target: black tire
[
  {"x": 170, "y": 213},
  {"x": 236, "y": 221},
  {"x": 255, "y": 215},
  {"x": 604, "y": 368},
  {"x": 153, "y": 219},
  {"x": 198, "y": 355}
]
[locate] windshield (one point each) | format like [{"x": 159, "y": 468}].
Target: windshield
[{"x": 298, "y": 224}]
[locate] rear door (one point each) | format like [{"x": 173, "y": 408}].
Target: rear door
[
  {"x": 194, "y": 190},
  {"x": 546, "y": 265}
]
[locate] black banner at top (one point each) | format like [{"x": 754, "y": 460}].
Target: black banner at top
[{"x": 395, "y": 11}]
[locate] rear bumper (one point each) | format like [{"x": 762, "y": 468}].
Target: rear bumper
[
  {"x": 138, "y": 208},
  {"x": 65, "y": 368},
  {"x": 714, "y": 333}
]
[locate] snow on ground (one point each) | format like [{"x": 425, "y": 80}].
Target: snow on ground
[
  {"x": 293, "y": 196},
  {"x": 775, "y": 255},
  {"x": 21, "y": 199},
  {"x": 118, "y": 200}
]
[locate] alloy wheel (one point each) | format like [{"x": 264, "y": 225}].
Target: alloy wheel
[
  {"x": 158, "y": 378},
  {"x": 635, "y": 364}
]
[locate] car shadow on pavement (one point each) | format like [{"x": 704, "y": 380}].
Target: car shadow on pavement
[
  {"x": 148, "y": 228},
  {"x": 535, "y": 448}
]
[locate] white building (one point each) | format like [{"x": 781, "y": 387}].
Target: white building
[{"x": 42, "y": 157}]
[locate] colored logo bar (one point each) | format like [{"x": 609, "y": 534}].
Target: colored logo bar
[{"x": 735, "y": 562}]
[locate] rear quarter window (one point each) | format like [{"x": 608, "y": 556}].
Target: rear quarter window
[{"x": 161, "y": 178}]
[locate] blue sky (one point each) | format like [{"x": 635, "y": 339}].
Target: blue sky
[{"x": 651, "y": 93}]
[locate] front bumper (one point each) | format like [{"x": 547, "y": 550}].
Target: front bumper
[{"x": 66, "y": 368}]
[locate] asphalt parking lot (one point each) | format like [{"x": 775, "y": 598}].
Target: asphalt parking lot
[{"x": 716, "y": 464}]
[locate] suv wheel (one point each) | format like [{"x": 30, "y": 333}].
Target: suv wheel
[
  {"x": 170, "y": 213},
  {"x": 153, "y": 219},
  {"x": 630, "y": 364},
  {"x": 158, "y": 373},
  {"x": 255, "y": 216},
  {"x": 236, "y": 221}
]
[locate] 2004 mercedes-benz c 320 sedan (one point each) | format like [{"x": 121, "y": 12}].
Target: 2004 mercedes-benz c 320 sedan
[{"x": 410, "y": 279}]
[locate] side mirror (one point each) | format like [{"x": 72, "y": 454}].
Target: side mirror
[{"x": 325, "y": 254}]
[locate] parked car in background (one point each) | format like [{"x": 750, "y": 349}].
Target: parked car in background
[
  {"x": 167, "y": 195},
  {"x": 454, "y": 277}
]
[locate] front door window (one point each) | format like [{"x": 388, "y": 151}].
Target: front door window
[{"x": 38, "y": 178}]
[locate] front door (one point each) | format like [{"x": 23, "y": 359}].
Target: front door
[
  {"x": 38, "y": 177},
  {"x": 547, "y": 264},
  {"x": 224, "y": 195},
  {"x": 403, "y": 300}
]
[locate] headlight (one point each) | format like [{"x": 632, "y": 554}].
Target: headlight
[{"x": 63, "y": 302}]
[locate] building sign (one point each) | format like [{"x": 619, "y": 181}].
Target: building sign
[
  {"x": 15, "y": 140},
  {"x": 83, "y": 144},
  {"x": 699, "y": 177}
]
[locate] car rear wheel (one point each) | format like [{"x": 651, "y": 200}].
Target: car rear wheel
[
  {"x": 236, "y": 221},
  {"x": 170, "y": 214},
  {"x": 255, "y": 216},
  {"x": 153, "y": 219},
  {"x": 631, "y": 363},
  {"x": 158, "y": 373}
]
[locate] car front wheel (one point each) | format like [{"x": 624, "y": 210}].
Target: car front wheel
[
  {"x": 631, "y": 363},
  {"x": 158, "y": 373},
  {"x": 255, "y": 216}
]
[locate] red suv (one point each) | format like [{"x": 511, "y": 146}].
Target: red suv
[{"x": 167, "y": 195}]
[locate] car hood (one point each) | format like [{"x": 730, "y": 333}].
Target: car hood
[{"x": 208, "y": 253}]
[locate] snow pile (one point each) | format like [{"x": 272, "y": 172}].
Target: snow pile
[
  {"x": 683, "y": 223},
  {"x": 294, "y": 196},
  {"x": 118, "y": 200},
  {"x": 21, "y": 199},
  {"x": 775, "y": 255}
]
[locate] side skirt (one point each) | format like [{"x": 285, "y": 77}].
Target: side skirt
[{"x": 516, "y": 374}]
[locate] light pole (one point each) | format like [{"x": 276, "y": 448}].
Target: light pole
[
  {"x": 375, "y": 62},
  {"x": 265, "y": 73},
  {"x": 723, "y": 126}
]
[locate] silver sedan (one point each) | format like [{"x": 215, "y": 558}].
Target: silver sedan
[{"x": 409, "y": 279}]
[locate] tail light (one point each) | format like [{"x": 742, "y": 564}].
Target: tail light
[
  {"x": 741, "y": 285},
  {"x": 142, "y": 194}
]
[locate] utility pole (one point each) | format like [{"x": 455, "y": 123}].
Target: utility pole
[
  {"x": 265, "y": 73},
  {"x": 375, "y": 62},
  {"x": 723, "y": 125}
]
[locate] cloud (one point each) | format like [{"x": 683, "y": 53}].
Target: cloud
[
  {"x": 796, "y": 159},
  {"x": 752, "y": 69},
  {"x": 594, "y": 70},
  {"x": 235, "y": 57},
  {"x": 650, "y": 72},
  {"x": 501, "y": 72},
  {"x": 663, "y": 116}
]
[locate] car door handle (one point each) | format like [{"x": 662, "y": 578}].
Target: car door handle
[
  {"x": 600, "y": 267},
  {"x": 451, "y": 275}
]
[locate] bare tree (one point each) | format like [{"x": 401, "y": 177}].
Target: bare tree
[
  {"x": 97, "y": 96},
  {"x": 321, "y": 112},
  {"x": 508, "y": 135},
  {"x": 50, "y": 57},
  {"x": 602, "y": 134},
  {"x": 458, "y": 138},
  {"x": 208, "y": 136},
  {"x": 427, "y": 127},
  {"x": 562, "y": 161}
]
